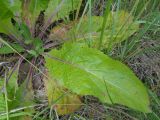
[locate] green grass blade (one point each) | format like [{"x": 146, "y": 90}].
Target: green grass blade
[{"x": 104, "y": 21}]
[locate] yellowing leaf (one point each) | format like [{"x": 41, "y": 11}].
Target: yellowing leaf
[
  {"x": 60, "y": 32},
  {"x": 119, "y": 27},
  {"x": 60, "y": 98}
]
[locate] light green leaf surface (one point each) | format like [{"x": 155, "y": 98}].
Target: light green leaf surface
[{"x": 87, "y": 71}]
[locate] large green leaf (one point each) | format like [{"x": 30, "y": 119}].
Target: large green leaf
[
  {"x": 63, "y": 10},
  {"x": 87, "y": 71}
]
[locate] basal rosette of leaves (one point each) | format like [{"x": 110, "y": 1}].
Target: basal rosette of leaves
[
  {"x": 18, "y": 20},
  {"x": 74, "y": 70}
]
